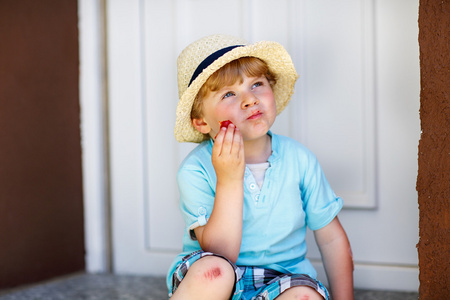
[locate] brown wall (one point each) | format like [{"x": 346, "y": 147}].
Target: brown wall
[
  {"x": 41, "y": 212},
  {"x": 433, "y": 182}
]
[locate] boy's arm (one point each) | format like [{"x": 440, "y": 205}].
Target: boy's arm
[
  {"x": 223, "y": 232},
  {"x": 337, "y": 258}
]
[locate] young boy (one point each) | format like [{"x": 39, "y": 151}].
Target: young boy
[{"x": 246, "y": 194}]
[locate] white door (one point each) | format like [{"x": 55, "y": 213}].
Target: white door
[{"x": 356, "y": 106}]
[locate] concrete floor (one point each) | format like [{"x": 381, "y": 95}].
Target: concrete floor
[{"x": 107, "y": 286}]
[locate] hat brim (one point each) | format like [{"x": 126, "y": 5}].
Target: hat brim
[{"x": 272, "y": 53}]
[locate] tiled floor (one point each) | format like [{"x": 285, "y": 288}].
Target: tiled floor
[{"x": 100, "y": 287}]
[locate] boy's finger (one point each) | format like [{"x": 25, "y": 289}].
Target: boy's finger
[
  {"x": 218, "y": 141},
  {"x": 228, "y": 139},
  {"x": 221, "y": 129},
  {"x": 237, "y": 137}
]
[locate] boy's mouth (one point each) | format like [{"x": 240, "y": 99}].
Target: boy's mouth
[{"x": 254, "y": 115}]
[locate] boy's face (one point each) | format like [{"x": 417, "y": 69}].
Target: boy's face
[{"x": 250, "y": 105}]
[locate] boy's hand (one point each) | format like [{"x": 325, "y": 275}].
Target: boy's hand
[{"x": 228, "y": 154}]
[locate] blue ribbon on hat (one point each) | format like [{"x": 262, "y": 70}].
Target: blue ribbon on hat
[{"x": 209, "y": 60}]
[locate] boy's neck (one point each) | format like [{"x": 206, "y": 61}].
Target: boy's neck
[{"x": 259, "y": 150}]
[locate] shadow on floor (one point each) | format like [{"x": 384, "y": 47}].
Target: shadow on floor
[{"x": 107, "y": 286}]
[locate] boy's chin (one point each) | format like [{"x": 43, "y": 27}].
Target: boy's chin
[{"x": 254, "y": 136}]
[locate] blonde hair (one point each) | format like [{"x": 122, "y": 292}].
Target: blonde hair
[{"x": 228, "y": 75}]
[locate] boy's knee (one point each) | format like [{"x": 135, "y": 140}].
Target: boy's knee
[
  {"x": 213, "y": 273},
  {"x": 300, "y": 293},
  {"x": 213, "y": 268},
  {"x": 210, "y": 277}
]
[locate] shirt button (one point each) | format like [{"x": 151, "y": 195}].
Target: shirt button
[
  {"x": 252, "y": 186},
  {"x": 257, "y": 197},
  {"x": 202, "y": 211}
]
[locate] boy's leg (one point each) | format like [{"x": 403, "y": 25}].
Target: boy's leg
[{"x": 210, "y": 277}]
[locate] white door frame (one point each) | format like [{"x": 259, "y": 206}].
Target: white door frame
[{"x": 91, "y": 16}]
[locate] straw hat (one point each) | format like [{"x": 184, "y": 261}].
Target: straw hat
[{"x": 203, "y": 57}]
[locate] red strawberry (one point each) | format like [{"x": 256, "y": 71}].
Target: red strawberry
[{"x": 225, "y": 123}]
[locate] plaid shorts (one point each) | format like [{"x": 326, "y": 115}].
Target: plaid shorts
[{"x": 252, "y": 283}]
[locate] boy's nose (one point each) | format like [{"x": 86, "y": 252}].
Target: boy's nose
[{"x": 249, "y": 100}]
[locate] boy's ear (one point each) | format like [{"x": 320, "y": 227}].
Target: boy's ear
[{"x": 201, "y": 125}]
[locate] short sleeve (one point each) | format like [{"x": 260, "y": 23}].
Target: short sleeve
[
  {"x": 197, "y": 193},
  {"x": 320, "y": 203}
]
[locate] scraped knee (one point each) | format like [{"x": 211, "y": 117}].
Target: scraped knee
[
  {"x": 213, "y": 268},
  {"x": 300, "y": 293},
  {"x": 210, "y": 277},
  {"x": 213, "y": 273}
]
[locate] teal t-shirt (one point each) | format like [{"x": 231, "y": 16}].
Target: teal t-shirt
[{"x": 295, "y": 194}]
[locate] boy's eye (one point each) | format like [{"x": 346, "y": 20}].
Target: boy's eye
[
  {"x": 228, "y": 94},
  {"x": 259, "y": 83}
]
